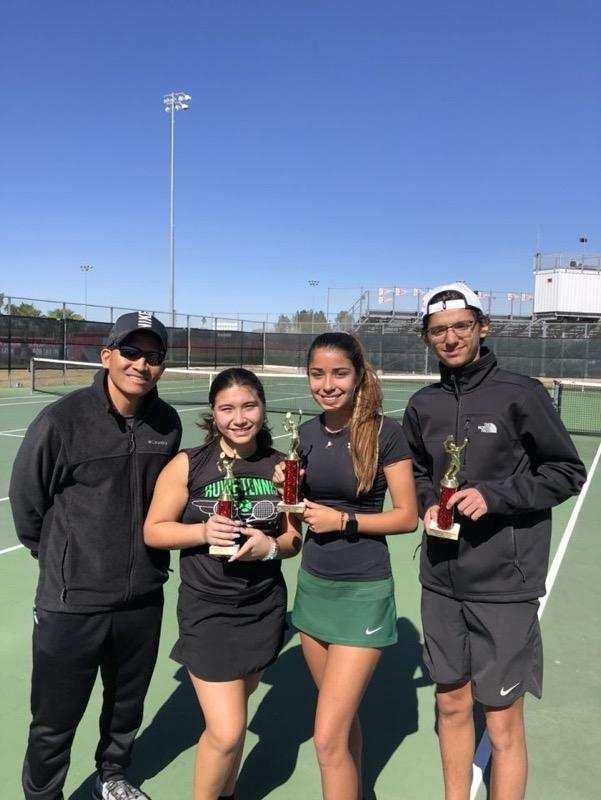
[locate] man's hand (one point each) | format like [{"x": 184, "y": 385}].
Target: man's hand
[
  {"x": 469, "y": 502},
  {"x": 431, "y": 516}
]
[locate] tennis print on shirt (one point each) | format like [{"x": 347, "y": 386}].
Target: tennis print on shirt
[{"x": 255, "y": 506}]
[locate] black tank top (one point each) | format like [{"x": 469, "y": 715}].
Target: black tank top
[{"x": 256, "y": 500}]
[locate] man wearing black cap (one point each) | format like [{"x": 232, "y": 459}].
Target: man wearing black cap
[
  {"x": 81, "y": 485},
  {"x": 480, "y": 593}
]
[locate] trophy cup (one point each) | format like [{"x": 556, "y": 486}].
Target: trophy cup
[
  {"x": 445, "y": 526},
  {"x": 225, "y": 504},
  {"x": 291, "y": 503}
]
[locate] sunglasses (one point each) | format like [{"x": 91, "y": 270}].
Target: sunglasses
[{"x": 153, "y": 358}]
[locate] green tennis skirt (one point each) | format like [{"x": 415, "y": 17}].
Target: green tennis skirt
[{"x": 355, "y": 613}]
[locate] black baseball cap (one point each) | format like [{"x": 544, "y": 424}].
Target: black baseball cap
[{"x": 137, "y": 321}]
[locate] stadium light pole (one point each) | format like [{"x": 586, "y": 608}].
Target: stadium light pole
[
  {"x": 85, "y": 268},
  {"x": 313, "y": 285},
  {"x": 174, "y": 101}
]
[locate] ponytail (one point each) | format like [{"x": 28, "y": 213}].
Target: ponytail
[{"x": 365, "y": 425}]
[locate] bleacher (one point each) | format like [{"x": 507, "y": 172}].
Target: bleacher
[{"x": 386, "y": 321}]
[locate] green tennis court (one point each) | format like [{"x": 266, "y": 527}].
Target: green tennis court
[{"x": 401, "y": 751}]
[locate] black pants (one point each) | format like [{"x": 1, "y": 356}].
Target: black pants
[{"x": 68, "y": 650}]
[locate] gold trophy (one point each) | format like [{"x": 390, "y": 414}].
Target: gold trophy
[
  {"x": 226, "y": 504},
  {"x": 445, "y": 526},
  {"x": 291, "y": 503}
]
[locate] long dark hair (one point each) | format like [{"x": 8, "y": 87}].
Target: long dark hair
[
  {"x": 366, "y": 418},
  {"x": 236, "y": 376}
]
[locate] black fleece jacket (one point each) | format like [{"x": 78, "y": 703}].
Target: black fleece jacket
[
  {"x": 519, "y": 457},
  {"x": 81, "y": 484}
]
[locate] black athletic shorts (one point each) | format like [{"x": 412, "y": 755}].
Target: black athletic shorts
[
  {"x": 221, "y": 641},
  {"x": 496, "y": 646}
]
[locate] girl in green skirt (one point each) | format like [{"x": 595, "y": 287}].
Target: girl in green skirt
[{"x": 344, "y": 606}]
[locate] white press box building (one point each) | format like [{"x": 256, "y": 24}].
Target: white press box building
[{"x": 567, "y": 286}]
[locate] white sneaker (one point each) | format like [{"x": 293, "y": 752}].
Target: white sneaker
[{"x": 119, "y": 789}]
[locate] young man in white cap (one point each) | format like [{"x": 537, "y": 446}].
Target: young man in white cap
[
  {"x": 82, "y": 482},
  {"x": 480, "y": 593}
]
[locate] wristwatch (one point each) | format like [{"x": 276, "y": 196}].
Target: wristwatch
[{"x": 351, "y": 529}]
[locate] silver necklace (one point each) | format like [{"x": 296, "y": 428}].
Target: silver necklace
[{"x": 338, "y": 430}]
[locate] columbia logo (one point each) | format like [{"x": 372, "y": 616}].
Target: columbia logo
[
  {"x": 487, "y": 427},
  {"x": 157, "y": 442},
  {"x": 144, "y": 319}
]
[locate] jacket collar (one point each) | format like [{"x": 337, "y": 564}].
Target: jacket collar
[
  {"x": 101, "y": 394},
  {"x": 464, "y": 379}
]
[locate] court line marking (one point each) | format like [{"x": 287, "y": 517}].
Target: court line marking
[
  {"x": 29, "y": 402},
  {"x": 483, "y": 752},
  {"x": 14, "y": 430},
  {"x": 10, "y": 549},
  {"x": 3, "y": 499},
  {"x": 16, "y": 435}
]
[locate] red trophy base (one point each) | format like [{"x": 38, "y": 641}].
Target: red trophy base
[
  {"x": 225, "y": 508},
  {"x": 445, "y": 527},
  {"x": 291, "y": 504}
]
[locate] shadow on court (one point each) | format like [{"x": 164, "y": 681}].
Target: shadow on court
[
  {"x": 283, "y": 720},
  {"x": 176, "y": 726}
]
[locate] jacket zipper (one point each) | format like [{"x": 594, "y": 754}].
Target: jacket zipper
[
  {"x": 134, "y": 515},
  {"x": 63, "y": 594},
  {"x": 516, "y": 561},
  {"x": 466, "y": 435},
  {"x": 458, "y": 399}
]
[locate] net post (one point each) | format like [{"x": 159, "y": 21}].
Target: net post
[
  {"x": 215, "y": 342},
  {"x": 557, "y": 395},
  {"x": 64, "y": 356},
  {"x": 10, "y": 345},
  {"x": 188, "y": 345},
  {"x": 32, "y": 374}
]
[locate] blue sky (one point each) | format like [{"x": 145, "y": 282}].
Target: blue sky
[{"x": 355, "y": 143}]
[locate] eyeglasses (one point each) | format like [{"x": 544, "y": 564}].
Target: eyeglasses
[
  {"x": 461, "y": 329},
  {"x": 152, "y": 357}
]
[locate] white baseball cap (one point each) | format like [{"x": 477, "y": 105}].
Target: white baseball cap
[{"x": 469, "y": 299}]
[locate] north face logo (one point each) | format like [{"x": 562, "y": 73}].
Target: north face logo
[
  {"x": 144, "y": 319},
  {"x": 487, "y": 427}
]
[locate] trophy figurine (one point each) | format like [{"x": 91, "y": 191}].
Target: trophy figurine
[
  {"x": 445, "y": 526},
  {"x": 291, "y": 503},
  {"x": 225, "y": 504}
]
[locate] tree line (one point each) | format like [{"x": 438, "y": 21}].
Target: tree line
[
  {"x": 308, "y": 319},
  {"x": 29, "y": 310}
]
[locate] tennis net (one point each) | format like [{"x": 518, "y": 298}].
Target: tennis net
[
  {"x": 579, "y": 404},
  {"x": 284, "y": 391}
]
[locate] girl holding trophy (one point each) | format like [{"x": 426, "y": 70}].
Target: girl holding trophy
[
  {"x": 344, "y": 606},
  {"x": 218, "y": 504}
]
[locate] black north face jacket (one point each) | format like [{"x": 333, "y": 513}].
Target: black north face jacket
[
  {"x": 519, "y": 457},
  {"x": 81, "y": 485}
]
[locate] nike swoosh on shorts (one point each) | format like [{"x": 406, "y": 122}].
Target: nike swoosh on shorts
[{"x": 504, "y": 691}]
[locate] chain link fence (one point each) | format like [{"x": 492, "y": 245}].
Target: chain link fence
[{"x": 553, "y": 350}]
